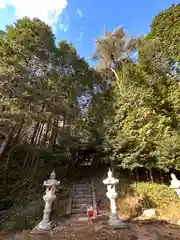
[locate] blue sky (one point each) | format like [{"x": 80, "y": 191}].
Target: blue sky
[{"x": 82, "y": 21}]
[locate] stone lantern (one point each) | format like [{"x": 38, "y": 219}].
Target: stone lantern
[
  {"x": 49, "y": 197},
  {"x": 110, "y": 182},
  {"x": 175, "y": 183}
]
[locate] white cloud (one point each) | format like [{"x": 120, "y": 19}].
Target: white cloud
[
  {"x": 81, "y": 33},
  {"x": 61, "y": 26},
  {"x": 48, "y": 11},
  {"x": 64, "y": 25},
  {"x": 79, "y": 12},
  {"x": 2, "y": 4},
  {"x": 80, "y": 36}
]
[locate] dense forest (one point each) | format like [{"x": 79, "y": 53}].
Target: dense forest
[{"x": 57, "y": 111}]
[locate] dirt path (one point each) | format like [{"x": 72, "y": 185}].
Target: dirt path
[
  {"x": 138, "y": 230},
  {"x": 77, "y": 228},
  {"x": 98, "y": 232}
]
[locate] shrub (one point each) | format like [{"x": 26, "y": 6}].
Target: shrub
[
  {"x": 160, "y": 195},
  {"x": 19, "y": 221},
  {"x": 133, "y": 198}
]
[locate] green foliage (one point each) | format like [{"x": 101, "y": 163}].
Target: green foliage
[
  {"x": 41, "y": 89},
  {"x": 20, "y": 194},
  {"x": 19, "y": 221},
  {"x": 165, "y": 27},
  {"x": 41, "y": 84},
  {"x": 159, "y": 194},
  {"x": 143, "y": 126},
  {"x": 28, "y": 206}
]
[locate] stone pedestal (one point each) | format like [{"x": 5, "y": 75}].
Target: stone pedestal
[
  {"x": 40, "y": 235},
  {"x": 117, "y": 223},
  {"x": 43, "y": 226}
]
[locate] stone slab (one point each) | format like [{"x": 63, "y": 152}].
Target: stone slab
[{"x": 40, "y": 235}]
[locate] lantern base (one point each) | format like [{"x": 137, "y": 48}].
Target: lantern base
[
  {"x": 44, "y": 226},
  {"x": 117, "y": 223}
]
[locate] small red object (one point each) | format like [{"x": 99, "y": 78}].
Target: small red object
[{"x": 90, "y": 212}]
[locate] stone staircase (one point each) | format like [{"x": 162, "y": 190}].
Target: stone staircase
[{"x": 83, "y": 193}]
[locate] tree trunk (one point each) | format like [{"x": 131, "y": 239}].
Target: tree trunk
[
  {"x": 25, "y": 160},
  {"x": 147, "y": 176},
  {"x": 7, "y": 165},
  {"x": 8, "y": 139},
  {"x": 54, "y": 133},
  {"x": 151, "y": 175},
  {"x": 132, "y": 174},
  {"x": 47, "y": 131},
  {"x": 113, "y": 166},
  {"x": 20, "y": 127},
  {"x": 161, "y": 177},
  {"x": 33, "y": 138},
  {"x": 3, "y": 145},
  {"x": 136, "y": 174},
  {"x": 39, "y": 133},
  {"x": 34, "y": 165}
]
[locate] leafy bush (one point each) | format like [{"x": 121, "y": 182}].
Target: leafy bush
[
  {"x": 133, "y": 198},
  {"x": 19, "y": 221},
  {"x": 159, "y": 194}
]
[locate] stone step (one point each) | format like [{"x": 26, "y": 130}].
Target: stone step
[
  {"x": 78, "y": 210},
  {"x": 81, "y": 194},
  {"x": 80, "y": 205},
  {"x": 82, "y": 201},
  {"x": 86, "y": 196},
  {"x": 83, "y": 185},
  {"x": 76, "y": 205},
  {"x": 83, "y": 189},
  {"x": 84, "y": 181}
]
